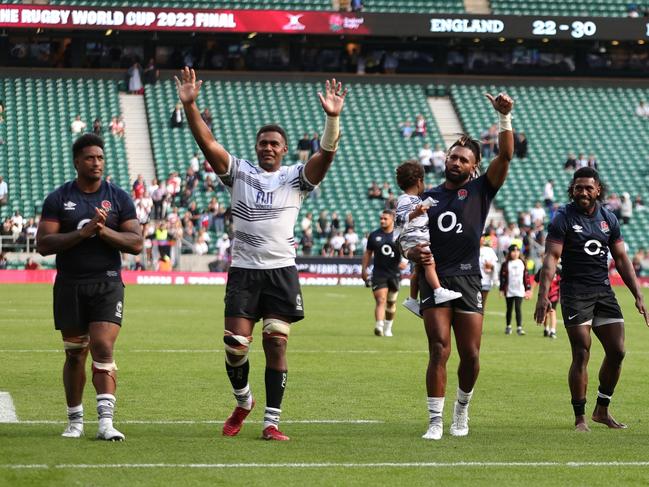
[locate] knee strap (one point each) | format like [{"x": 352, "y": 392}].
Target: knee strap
[
  {"x": 392, "y": 296},
  {"x": 274, "y": 328},
  {"x": 236, "y": 345},
  {"x": 104, "y": 368},
  {"x": 391, "y": 307},
  {"x": 76, "y": 343}
]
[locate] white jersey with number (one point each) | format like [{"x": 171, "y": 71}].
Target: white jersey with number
[{"x": 265, "y": 206}]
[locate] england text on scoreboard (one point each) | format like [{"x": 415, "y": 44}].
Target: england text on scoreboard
[{"x": 322, "y": 23}]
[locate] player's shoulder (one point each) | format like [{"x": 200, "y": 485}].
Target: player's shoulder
[
  {"x": 243, "y": 164},
  {"x": 62, "y": 191},
  {"x": 111, "y": 187},
  {"x": 607, "y": 214}
]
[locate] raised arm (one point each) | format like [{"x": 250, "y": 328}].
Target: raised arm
[
  {"x": 499, "y": 166},
  {"x": 188, "y": 90},
  {"x": 332, "y": 103},
  {"x": 553, "y": 251},
  {"x": 625, "y": 269}
]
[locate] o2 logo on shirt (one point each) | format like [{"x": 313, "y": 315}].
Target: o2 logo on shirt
[
  {"x": 593, "y": 247},
  {"x": 387, "y": 250},
  {"x": 447, "y": 222}
]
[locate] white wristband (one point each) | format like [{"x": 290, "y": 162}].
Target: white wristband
[
  {"x": 504, "y": 122},
  {"x": 331, "y": 134}
]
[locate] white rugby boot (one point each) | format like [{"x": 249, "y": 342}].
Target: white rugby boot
[
  {"x": 73, "y": 430},
  {"x": 435, "y": 430},
  {"x": 460, "y": 424}
]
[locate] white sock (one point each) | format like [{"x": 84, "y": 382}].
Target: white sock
[
  {"x": 387, "y": 324},
  {"x": 435, "y": 408},
  {"x": 379, "y": 324},
  {"x": 75, "y": 414},
  {"x": 243, "y": 397},
  {"x": 105, "y": 410},
  {"x": 271, "y": 417},
  {"x": 463, "y": 398}
]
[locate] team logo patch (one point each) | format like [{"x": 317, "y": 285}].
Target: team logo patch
[
  {"x": 604, "y": 227},
  {"x": 298, "y": 303},
  {"x": 118, "y": 309},
  {"x": 462, "y": 194},
  {"x": 106, "y": 205}
]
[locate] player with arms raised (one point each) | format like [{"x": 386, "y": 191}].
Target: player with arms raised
[
  {"x": 582, "y": 234},
  {"x": 456, "y": 222},
  {"x": 263, "y": 281},
  {"x": 87, "y": 222}
]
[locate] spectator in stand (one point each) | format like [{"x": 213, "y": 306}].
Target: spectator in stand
[
  {"x": 307, "y": 222},
  {"x": 323, "y": 227},
  {"x": 637, "y": 263},
  {"x": 306, "y": 242},
  {"x": 581, "y": 161},
  {"x": 177, "y": 117},
  {"x": 2, "y": 111},
  {"x": 439, "y": 159},
  {"x": 206, "y": 115},
  {"x": 220, "y": 220},
  {"x": 520, "y": 145},
  {"x": 420, "y": 126},
  {"x": 315, "y": 144},
  {"x": 351, "y": 242},
  {"x": 200, "y": 246},
  {"x": 186, "y": 197},
  {"x": 406, "y": 129},
  {"x": 31, "y": 264},
  {"x": 349, "y": 221},
  {"x": 386, "y": 190},
  {"x": 426, "y": 158},
  {"x": 626, "y": 208},
  {"x": 592, "y": 161},
  {"x": 337, "y": 242},
  {"x": 374, "y": 192},
  {"x": 537, "y": 213},
  {"x": 161, "y": 239},
  {"x": 357, "y": 5},
  {"x": 571, "y": 163},
  {"x": 195, "y": 163},
  {"x": 141, "y": 211},
  {"x": 17, "y": 223},
  {"x": 3, "y": 261},
  {"x": 151, "y": 73},
  {"x": 642, "y": 110},
  {"x": 173, "y": 185},
  {"x": 335, "y": 222},
  {"x": 77, "y": 126},
  {"x": 30, "y": 229},
  {"x": 4, "y": 192},
  {"x": 158, "y": 197},
  {"x": 117, "y": 127},
  {"x": 633, "y": 11},
  {"x": 613, "y": 203},
  {"x": 139, "y": 187},
  {"x": 304, "y": 148},
  {"x": 327, "y": 250},
  {"x": 211, "y": 180},
  {"x": 639, "y": 204},
  {"x": 135, "y": 86},
  {"x": 96, "y": 127},
  {"x": 489, "y": 141},
  {"x": 223, "y": 247},
  {"x": 548, "y": 195},
  {"x": 191, "y": 180}
]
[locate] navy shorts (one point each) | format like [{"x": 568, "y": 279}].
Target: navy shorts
[
  {"x": 595, "y": 309},
  {"x": 469, "y": 286},
  {"x": 76, "y": 305}
]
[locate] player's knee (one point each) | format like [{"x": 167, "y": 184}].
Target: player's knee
[
  {"x": 580, "y": 355},
  {"x": 276, "y": 330},
  {"x": 439, "y": 352},
  {"x": 237, "y": 348},
  {"x": 616, "y": 356},
  {"x": 76, "y": 347},
  {"x": 107, "y": 368}
]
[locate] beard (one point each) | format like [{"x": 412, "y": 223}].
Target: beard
[{"x": 460, "y": 178}]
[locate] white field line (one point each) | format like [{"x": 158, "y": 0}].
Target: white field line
[
  {"x": 324, "y": 465},
  {"x": 7, "y": 409},
  {"x": 208, "y": 421}
]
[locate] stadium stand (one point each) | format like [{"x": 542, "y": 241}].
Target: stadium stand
[
  {"x": 36, "y": 156},
  {"x": 598, "y": 8},
  {"x": 370, "y": 150},
  {"x": 558, "y": 120},
  {"x": 403, "y": 6}
]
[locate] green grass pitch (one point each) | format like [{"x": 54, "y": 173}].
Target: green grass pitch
[{"x": 170, "y": 359}]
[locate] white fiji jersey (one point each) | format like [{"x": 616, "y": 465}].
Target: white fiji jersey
[
  {"x": 487, "y": 255},
  {"x": 265, "y": 206}
]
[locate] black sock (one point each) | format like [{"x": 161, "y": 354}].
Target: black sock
[
  {"x": 275, "y": 385},
  {"x": 238, "y": 375},
  {"x": 579, "y": 406},
  {"x": 604, "y": 397}
]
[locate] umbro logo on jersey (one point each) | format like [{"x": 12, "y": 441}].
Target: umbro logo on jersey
[
  {"x": 577, "y": 228},
  {"x": 69, "y": 206}
]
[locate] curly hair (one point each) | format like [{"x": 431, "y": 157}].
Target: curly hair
[
  {"x": 408, "y": 173},
  {"x": 587, "y": 172},
  {"x": 473, "y": 145}
]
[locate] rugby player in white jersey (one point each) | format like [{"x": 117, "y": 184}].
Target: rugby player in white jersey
[{"x": 263, "y": 281}]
